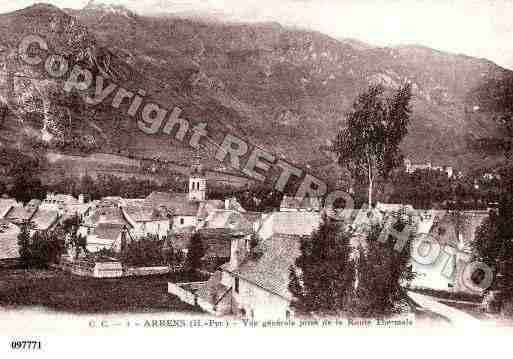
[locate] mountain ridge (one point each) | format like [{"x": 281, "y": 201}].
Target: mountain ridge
[{"x": 286, "y": 89}]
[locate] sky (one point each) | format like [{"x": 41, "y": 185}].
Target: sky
[{"x": 479, "y": 28}]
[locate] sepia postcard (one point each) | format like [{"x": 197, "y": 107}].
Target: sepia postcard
[{"x": 228, "y": 175}]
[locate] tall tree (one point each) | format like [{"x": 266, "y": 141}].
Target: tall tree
[
  {"x": 382, "y": 271},
  {"x": 195, "y": 252},
  {"x": 322, "y": 278},
  {"x": 369, "y": 143}
]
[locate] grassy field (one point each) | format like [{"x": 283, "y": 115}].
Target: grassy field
[{"x": 60, "y": 291}]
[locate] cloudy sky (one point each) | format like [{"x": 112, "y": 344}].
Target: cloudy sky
[{"x": 480, "y": 28}]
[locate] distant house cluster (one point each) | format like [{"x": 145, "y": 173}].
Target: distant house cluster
[
  {"x": 41, "y": 216},
  {"x": 412, "y": 167}
]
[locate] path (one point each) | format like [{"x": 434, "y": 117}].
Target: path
[{"x": 455, "y": 316}]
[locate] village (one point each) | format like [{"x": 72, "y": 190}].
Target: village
[{"x": 246, "y": 256}]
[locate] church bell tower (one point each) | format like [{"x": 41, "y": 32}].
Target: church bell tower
[{"x": 197, "y": 181}]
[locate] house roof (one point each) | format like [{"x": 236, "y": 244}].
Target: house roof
[
  {"x": 178, "y": 203},
  {"x": 8, "y": 240},
  {"x": 206, "y": 207},
  {"x": 233, "y": 204},
  {"x": 45, "y": 219},
  {"x": 20, "y": 214},
  {"x": 6, "y": 204},
  {"x": 112, "y": 215},
  {"x": 72, "y": 209},
  {"x": 393, "y": 207},
  {"x": 108, "y": 231},
  {"x": 228, "y": 219},
  {"x": 213, "y": 290},
  {"x": 312, "y": 203},
  {"x": 66, "y": 198},
  {"x": 144, "y": 213},
  {"x": 445, "y": 232},
  {"x": 270, "y": 270},
  {"x": 293, "y": 223},
  {"x": 218, "y": 241},
  {"x": 33, "y": 203}
]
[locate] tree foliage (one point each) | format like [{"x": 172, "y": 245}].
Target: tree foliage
[
  {"x": 24, "y": 244},
  {"x": 381, "y": 272},
  {"x": 195, "y": 252},
  {"x": 369, "y": 143},
  {"x": 322, "y": 278},
  {"x": 149, "y": 251},
  {"x": 40, "y": 249}
]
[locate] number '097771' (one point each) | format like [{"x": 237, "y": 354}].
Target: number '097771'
[{"x": 26, "y": 345}]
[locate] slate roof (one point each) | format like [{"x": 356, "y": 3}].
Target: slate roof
[
  {"x": 144, "y": 213},
  {"x": 228, "y": 219},
  {"x": 64, "y": 198},
  {"x": 233, "y": 204},
  {"x": 72, "y": 209},
  {"x": 112, "y": 215},
  {"x": 33, "y": 203},
  {"x": 207, "y": 207},
  {"x": 218, "y": 241},
  {"x": 8, "y": 240},
  {"x": 393, "y": 207},
  {"x": 44, "y": 219},
  {"x": 293, "y": 223},
  {"x": 306, "y": 203},
  {"x": 178, "y": 203},
  {"x": 270, "y": 270},
  {"x": 213, "y": 291},
  {"x": 20, "y": 214},
  {"x": 6, "y": 204},
  {"x": 108, "y": 231},
  {"x": 444, "y": 230}
]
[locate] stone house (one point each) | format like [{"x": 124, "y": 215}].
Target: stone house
[
  {"x": 147, "y": 220},
  {"x": 184, "y": 212}
]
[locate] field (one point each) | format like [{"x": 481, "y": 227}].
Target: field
[{"x": 60, "y": 291}]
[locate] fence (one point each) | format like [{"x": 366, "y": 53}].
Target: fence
[
  {"x": 93, "y": 269},
  {"x": 142, "y": 271},
  {"x": 112, "y": 269}
]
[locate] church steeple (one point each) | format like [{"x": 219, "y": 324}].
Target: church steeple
[{"x": 197, "y": 180}]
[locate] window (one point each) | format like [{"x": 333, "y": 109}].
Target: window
[
  {"x": 236, "y": 284},
  {"x": 182, "y": 221},
  {"x": 287, "y": 314}
]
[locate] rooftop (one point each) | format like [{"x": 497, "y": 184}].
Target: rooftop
[
  {"x": 45, "y": 219},
  {"x": 292, "y": 223},
  {"x": 270, "y": 270},
  {"x": 178, "y": 203}
]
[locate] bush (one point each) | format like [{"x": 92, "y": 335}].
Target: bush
[
  {"x": 41, "y": 249},
  {"x": 195, "y": 252},
  {"x": 149, "y": 252},
  {"x": 381, "y": 271}
]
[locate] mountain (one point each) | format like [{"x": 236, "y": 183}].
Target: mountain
[{"x": 284, "y": 89}]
